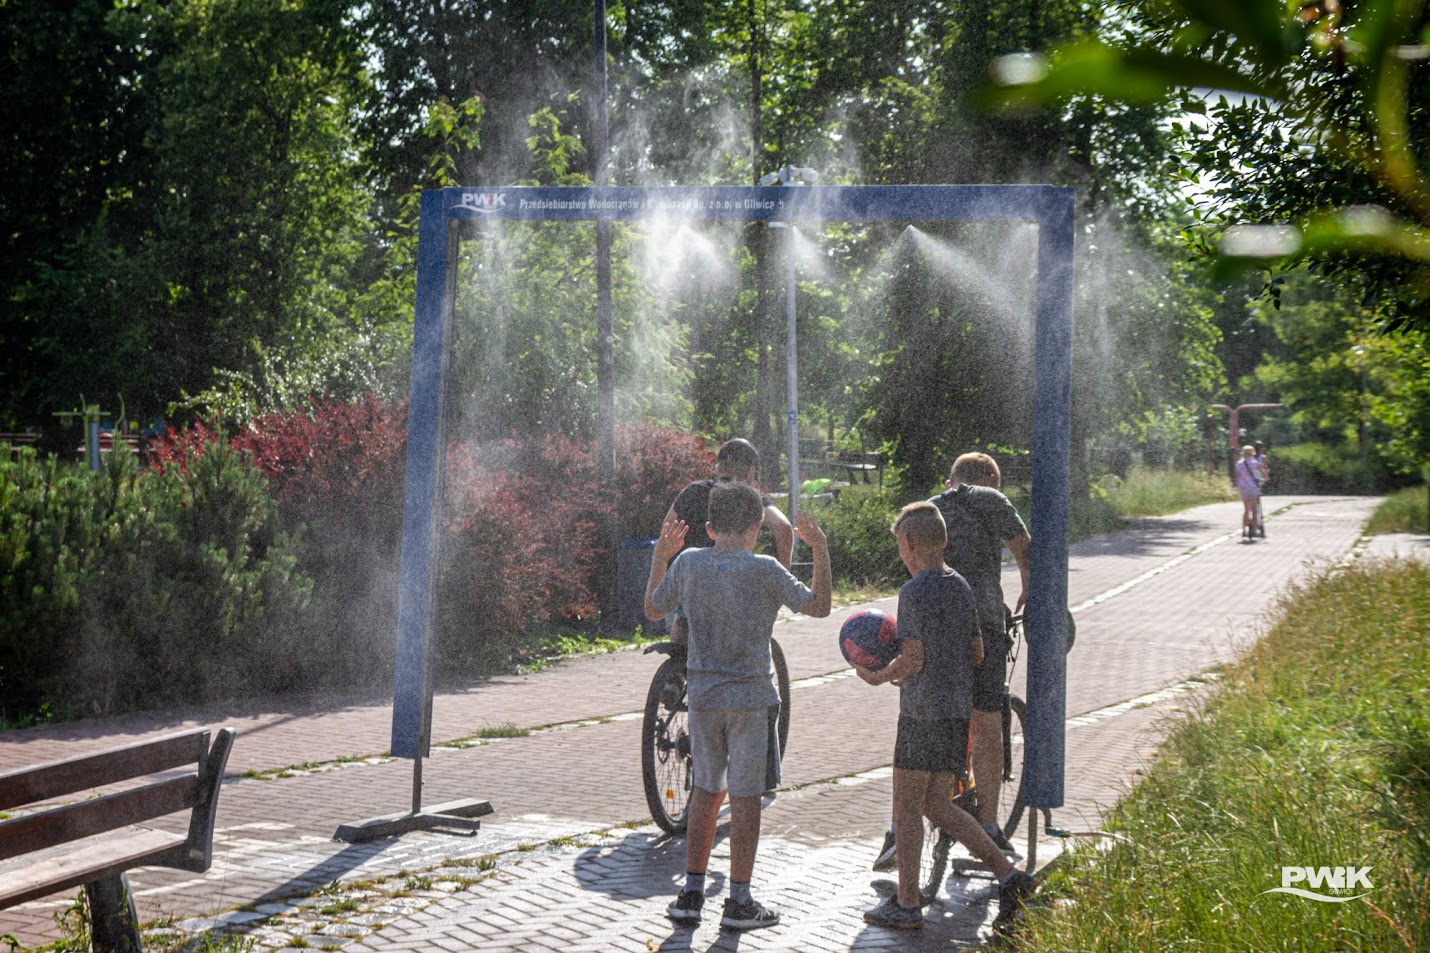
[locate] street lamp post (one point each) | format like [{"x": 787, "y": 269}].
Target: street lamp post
[{"x": 791, "y": 175}]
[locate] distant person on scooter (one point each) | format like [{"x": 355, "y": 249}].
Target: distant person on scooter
[{"x": 1250, "y": 474}]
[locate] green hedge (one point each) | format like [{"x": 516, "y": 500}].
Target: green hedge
[
  {"x": 1316, "y": 468},
  {"x": 861, "y": 548},
  {"x": 126, "y": 589}
]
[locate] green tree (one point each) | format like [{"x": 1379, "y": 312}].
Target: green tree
[
  {"x": 71, "y": 140},
  {"x": 233, "y": 220}
]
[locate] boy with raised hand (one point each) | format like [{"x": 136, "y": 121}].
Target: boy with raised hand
[
  {"x": 731, "y": 598},
  {"x": 940, "y": 645}
]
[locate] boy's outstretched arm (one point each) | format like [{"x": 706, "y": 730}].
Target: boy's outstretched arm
[
  {"x": 672, "y": 537},
  {"x": 809, "y": 531},
  {"x": 778, "y": 524}
]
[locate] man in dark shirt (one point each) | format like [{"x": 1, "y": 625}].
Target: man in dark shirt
[{"x": 735, "y": 462}]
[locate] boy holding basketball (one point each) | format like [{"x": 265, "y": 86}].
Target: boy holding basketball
[
  {"x": 939, "y": 646},
  {"x": 731, "y": 598}
]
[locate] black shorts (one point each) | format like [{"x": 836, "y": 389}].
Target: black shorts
[
  {"x": 990, "y": 679},
  {"x": 935, "y": 746}
]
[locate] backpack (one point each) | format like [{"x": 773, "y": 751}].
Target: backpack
[{"x": 973, "y": 550}]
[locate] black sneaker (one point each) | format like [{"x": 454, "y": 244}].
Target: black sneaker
[
  {"x": 888, "y": 858},
  {"x": 747, "y": 916},
  {"x": 1013, "y": 892},
  {"x": 893, "y": 914},
  {"x": 686, "y": 907}
]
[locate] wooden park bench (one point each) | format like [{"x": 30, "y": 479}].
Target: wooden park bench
[
  {"x": 18, "y": 440},
  {"x": 93, "y": 841}
]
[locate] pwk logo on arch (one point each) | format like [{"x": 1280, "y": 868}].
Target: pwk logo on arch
[
  {"x": 483, "y": 201},
  {"x": 1318, "y": 878}
]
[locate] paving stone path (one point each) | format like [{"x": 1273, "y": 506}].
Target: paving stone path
[{"x": 570, "y": 862}]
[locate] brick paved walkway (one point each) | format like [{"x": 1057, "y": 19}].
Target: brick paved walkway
[{"x": 565, "y": 862}]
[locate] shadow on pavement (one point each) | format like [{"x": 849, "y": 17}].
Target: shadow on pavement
[
  {"x": 331, "y": 869},
  {"x": 641, "y": 866},
  {"x": 1141, "y": 536}
]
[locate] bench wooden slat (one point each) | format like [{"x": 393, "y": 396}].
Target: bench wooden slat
[
  {"x": 68, "y": 775},
  {"x": 69, "y": 865},
  {"x": 86, "y": 818}
]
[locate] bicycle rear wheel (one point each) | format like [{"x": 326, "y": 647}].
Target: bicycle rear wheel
[
  {"x": 782, "y": 683},
  {"x": 934, "y": 857},
  {"x": 666, "y": 767},
  {"x": 1010, "y": 794},
  {"x": 933, "y": 862}
]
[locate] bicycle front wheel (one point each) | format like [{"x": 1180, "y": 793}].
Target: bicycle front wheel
[
  {"x": 782, "y": 683},
  {"x": 666, "y": 767},
  {"x": 1010, "y": 794}
]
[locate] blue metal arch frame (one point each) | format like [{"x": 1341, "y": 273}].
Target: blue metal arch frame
[{"x": 1050, "y": 208}]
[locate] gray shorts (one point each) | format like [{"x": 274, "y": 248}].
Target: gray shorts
[{"x": 736, "y": 749}]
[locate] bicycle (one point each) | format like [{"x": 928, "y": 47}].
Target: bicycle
[
  {"x": 666, "y": 767},
  {"x": 934, "y": 858}
]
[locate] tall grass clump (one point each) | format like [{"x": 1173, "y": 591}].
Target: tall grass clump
[
  {"x": 1315, "y": 751},
  {"x": 1403, "y": 511},
  {"x": 1158, "y": 492}
]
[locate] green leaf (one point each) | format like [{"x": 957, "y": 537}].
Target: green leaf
[
  {"x": 1256, "y": 23},
  {"x": 1094, "y": 68}
]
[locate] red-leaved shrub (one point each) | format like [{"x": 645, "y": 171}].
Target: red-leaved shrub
[{"x": 523, "y": 520}]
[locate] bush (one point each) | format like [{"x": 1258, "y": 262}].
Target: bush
[
  {"x": 524, "y": 518},
  {"x": 335, "y": 470},
  {"x": 125, "y": 590},
  {"x": 271, "y": 560},
  {"x": 1315, "y": 468},
  {"x": 862, "y": 551}
]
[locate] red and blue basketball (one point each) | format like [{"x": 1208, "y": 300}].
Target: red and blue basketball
[{"x": 869, "y": 638}]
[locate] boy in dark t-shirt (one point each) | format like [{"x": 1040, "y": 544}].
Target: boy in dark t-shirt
[
  {"x": 736, "y": 462},
  {"x": 981, "y": 521},
  {"x": 939, "y": 645}
]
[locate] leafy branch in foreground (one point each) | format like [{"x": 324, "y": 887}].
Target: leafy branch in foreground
[{"x": 1316, "y": 126}]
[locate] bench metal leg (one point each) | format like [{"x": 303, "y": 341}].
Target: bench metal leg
[{"x": 113, "y": 921}]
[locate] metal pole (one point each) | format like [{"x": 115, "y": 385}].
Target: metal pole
[
  {"x": 792, "y": 379},
  {"x": 605, "y": 337}
]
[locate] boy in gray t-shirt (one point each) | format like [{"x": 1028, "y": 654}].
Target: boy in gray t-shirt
[{"x": 731, "y": 598}]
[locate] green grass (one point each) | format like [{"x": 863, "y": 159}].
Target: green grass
[
  {"x": 505, "y": 730},
  {"x": 1314, "y": 752},
  {"x": 1401, "y": 512},
  {"x": 1159, "y": 492}
]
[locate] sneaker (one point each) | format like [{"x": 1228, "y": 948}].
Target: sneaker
[
  {"x": 895, "y": 915},
  {"x": 1015, "y": 889},
  {"x": 747, "y": 916},
  {"x": 686, "y": 908},
  {"x": 888, "y": 858}
]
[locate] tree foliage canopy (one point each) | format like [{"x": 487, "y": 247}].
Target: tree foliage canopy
[{"x": 213, "y": 207}]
